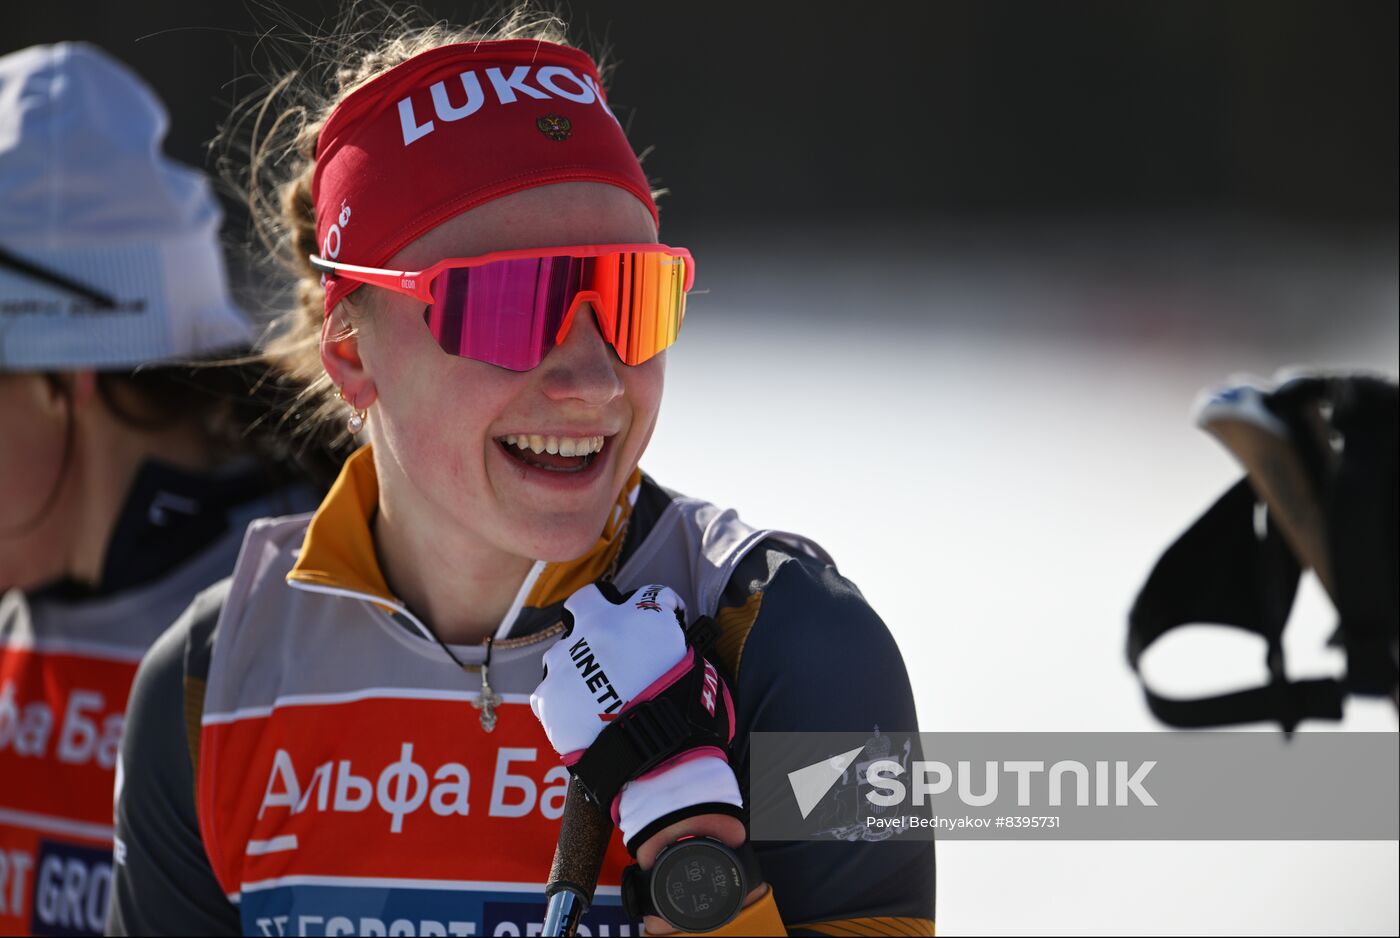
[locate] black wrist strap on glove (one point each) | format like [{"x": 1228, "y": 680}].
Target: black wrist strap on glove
[{"x": 691, "y": 713}]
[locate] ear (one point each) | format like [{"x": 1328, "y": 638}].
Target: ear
[
  {"x": 72, "y": 390},
  {"x": 340, "y": 356}
]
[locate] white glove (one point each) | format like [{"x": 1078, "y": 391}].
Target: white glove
[{"x": 620, "y": 650}]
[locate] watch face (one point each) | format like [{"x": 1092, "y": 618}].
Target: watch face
[{"x": 697, "y": 886}]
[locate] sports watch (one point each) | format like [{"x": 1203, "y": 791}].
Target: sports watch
[{"x": 696, "y": 884}]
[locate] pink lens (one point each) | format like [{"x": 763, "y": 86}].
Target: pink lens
[{"x": 506, "y": 313}]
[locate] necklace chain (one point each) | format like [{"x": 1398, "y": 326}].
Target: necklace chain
[{"x": 617, "y": 554}]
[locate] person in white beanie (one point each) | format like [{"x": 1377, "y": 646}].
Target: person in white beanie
[{"x": 127, "y": 475}]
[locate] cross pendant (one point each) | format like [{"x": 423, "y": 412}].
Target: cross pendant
[{"x": 486, "y": 702}]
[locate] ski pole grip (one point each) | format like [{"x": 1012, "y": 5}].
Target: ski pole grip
[{"x": 583, "y": 840}]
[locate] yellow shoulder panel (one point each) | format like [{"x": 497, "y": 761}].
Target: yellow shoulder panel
[{"x": 761, "y": 918}]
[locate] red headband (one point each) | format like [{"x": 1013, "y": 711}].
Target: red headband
[{"x": 453, "y": 128}]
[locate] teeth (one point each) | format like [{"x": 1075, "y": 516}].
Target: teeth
[{"x": 561, "y": 445}]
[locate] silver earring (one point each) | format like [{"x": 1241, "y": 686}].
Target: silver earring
[{"x": 356, "y": 421}]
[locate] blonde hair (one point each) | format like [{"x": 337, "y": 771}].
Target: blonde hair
[{"x": 269, "y": 157}]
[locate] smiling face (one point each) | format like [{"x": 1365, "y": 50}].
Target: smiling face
[{"x": 437, "y": 420}]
